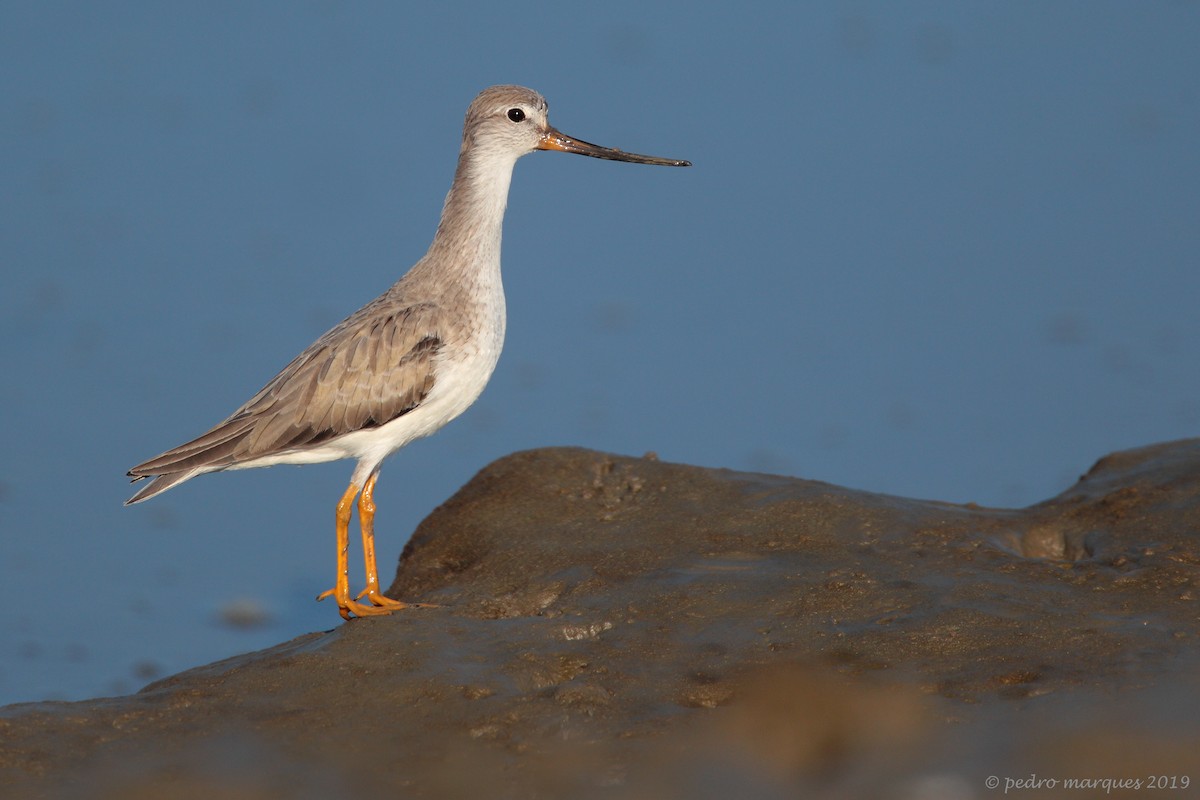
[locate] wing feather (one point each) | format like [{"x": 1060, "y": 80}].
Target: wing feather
[{"x": 375, "y": 366}]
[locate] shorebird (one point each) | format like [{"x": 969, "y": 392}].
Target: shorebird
[{"x": 406, "y": 363}]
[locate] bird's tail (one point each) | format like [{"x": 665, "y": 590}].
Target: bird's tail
[
  {"x": 159, "y": 484},
  {"x": 209, "y": 452}
]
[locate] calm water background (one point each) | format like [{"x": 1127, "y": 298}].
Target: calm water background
[{"x": 936, "y": 249}]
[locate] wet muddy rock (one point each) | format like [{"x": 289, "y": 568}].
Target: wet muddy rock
[{"x": 624, "y": 627}]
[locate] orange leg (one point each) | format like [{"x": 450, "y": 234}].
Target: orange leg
[
  {"x": 366, "y": 520},
  {"x": 341, "y": 589}
]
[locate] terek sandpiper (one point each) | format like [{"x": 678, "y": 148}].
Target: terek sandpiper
[{"x": 405, "y": 364}]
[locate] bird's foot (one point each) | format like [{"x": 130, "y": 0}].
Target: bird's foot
[
  {"x": 377, "y": 598},
  {"x": 346, "y": 606}
]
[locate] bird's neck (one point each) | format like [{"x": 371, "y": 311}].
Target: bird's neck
[{"x": 468, "y": 236}]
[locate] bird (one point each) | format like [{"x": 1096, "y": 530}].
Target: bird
[{"x": 405, "y": 364}]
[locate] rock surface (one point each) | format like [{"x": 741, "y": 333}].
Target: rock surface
[{"x": 621, "y": 627}]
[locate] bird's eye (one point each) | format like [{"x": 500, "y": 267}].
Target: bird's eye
[{"x": 516, "y": 115}]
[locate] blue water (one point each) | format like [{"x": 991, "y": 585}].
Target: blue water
[{"x": 935, "y": 249}]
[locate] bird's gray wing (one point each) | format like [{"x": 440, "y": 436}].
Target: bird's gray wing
[{"x": 375, "y": 366}]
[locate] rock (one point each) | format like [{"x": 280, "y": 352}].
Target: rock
[{"x": 622, "y": 627}]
